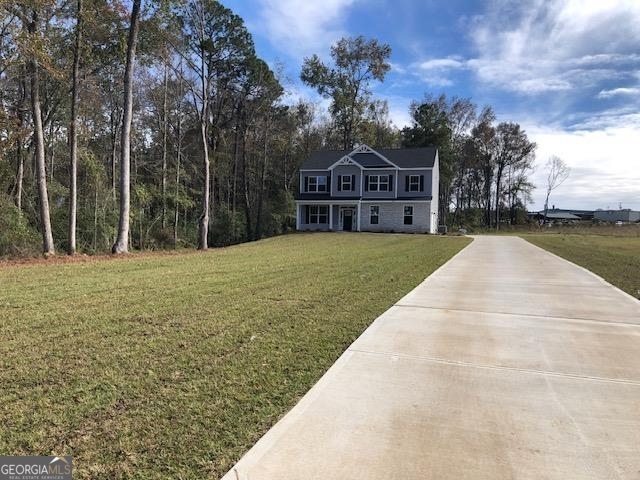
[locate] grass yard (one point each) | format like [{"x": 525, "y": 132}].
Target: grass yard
[
  {"x": 173, "y": 365},
  {"x": 614, "y": 258}
]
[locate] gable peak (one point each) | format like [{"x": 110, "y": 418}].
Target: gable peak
[{"x": 362, "y": 148}]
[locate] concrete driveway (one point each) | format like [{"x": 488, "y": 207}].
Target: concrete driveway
[{"x": 506, "y": 363}]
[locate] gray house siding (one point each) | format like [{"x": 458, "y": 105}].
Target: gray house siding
[
  {"x": 350, "y": 171},
  {"x": 424, "y": 183},
  {"x": 369, "y": 193},
  {"x": 391, "y": 217},
  {"x": 305, "y": 174},
  {"x": 313, "y": 217}
]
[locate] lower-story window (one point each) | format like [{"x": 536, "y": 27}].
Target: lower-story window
[
  {"x": 318, "y": 214},
  {"x": 408, "y": 215},
  {"x": 374, "y": 214}
]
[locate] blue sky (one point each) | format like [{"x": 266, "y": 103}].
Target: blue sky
[{"x": 567, "y": 71}]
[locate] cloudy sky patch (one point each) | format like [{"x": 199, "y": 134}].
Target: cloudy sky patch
[{"x": 567, "y": 70}]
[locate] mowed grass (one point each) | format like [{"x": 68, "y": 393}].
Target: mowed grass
[
  {"x": 173, "y": 365},
  {"x": 614, "y": 258}
]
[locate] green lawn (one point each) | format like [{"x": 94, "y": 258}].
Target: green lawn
[
  {"x": 614, "y": 258},
  {"x": 172, "y": 365}
]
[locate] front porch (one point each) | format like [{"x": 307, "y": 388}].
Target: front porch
[{"x": 328, "y": 216}]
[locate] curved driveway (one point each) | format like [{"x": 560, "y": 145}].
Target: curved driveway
[{"x": 506, "y": 363}]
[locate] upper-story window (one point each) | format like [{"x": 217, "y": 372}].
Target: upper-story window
[
  {"x": 346, "y": 183},
  {"x": 414, "y": 183},
  {"x": 316, "y": 184},
  {"x": 379, "y": 183}
]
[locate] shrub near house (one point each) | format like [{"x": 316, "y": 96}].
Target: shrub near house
[{"x": 369, "y": 190}]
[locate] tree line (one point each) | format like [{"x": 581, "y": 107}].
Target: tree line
[{"x": 156, "y": 125}]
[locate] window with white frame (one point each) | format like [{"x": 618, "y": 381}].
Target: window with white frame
[
  {"x": 408, "y": 214},
  {"x": 316, "y": 184},
  {"x": 317, "y": 214},
  {"x": 346, "y": 184},
  {"x": 379, "y": 183},
  {"x": 413, "y": 184},
  {"x": 374, "y": 214}
]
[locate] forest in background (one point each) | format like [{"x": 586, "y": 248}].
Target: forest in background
[{"x": 155, "y": 125}]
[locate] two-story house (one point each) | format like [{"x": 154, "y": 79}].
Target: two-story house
[{"x": 366, "y": 190}]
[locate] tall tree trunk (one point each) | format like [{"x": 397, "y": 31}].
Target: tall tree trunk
[
  {"x": 246, "y": 189},
  {"x": 122, "y": 243},
  {"x": 176, "y": 216},
  {"x": 95, "y": 217},
  {"x": 234, "y": 182},
  {"x": 19, "y": 176},
  {"x": 114, "y": 154},
  {"x": 21, "y": 110},
  {"x": 487, "y": 193},
  {"x": 165, "y": 128},
  {"x": 73, "y": 137},
  {"x": 263, "y": 188},
  {"x": 41, "y": 174},
  {"x": 177, "y": 203},
  {"x": 52, "y": 150},
  {"x": 498, "y": 187},
  {"x": 203, "y": 221}
]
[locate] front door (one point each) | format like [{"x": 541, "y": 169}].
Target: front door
[{"x": 347, "y": 220}]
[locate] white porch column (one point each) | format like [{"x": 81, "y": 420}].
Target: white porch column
[
  {"x": 298, "y": 209},
  {"x": 330, "y": 216},
  {"x": 359, "y": 214}
]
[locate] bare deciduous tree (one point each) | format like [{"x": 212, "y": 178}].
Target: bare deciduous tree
[{"x": 558, "y": 172}]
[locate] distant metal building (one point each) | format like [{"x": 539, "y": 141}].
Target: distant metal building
[
  {"x": 562, "y": 215},
  {"x": 627, "y": 215}
]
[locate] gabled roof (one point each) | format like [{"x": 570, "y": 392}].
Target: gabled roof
[{"x": 366, "y": 157}]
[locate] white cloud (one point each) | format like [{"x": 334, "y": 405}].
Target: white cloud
[
  {"x": 436, "y": 71},
  {"x": 441, "y": 64},
  {"x": 301, "y": 27},
  {"x": 603, "y": 167},
  {"x": 537, "y": 46},
  {"x": 618, "y": 91}
]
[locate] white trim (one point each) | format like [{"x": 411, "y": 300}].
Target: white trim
[
  {"x": 359, "y": 215},
  {"x": 377, "y": 215},
  {"x": 332, "y": 201},
  {"x": 405, "y": 215},
  {"x": 378, "y": 182},
  {"x": 342, "y": 210},
  {"x": 318, "y": 215},
  {"x": 362, "y": 148},
  {"x": 346, "y": 160},
  {"x": 364, "y": 168},
  {"x": 417, "y": 186},
  {"x": 341, "y": 181},
  {"x": 331, "y": 216}
]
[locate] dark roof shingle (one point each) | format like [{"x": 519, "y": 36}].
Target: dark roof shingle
[{"x": 423, "y": 157}]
